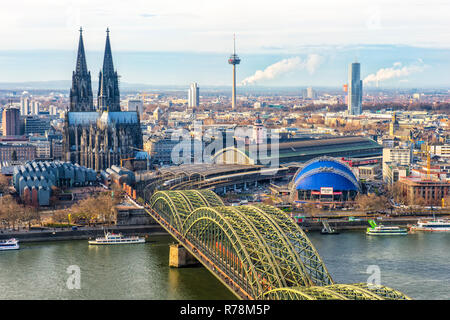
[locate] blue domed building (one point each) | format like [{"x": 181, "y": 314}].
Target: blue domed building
[{"x": 325, "y": 179}]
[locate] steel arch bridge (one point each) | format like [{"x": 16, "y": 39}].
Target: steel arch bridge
[
  {"x": 257, "y": 251},
  {"x": 358, "y": 291}
]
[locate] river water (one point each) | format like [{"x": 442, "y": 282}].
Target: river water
[{"x": 417, "y": 264}]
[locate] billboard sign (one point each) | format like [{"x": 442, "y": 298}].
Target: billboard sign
[{"x": 326, "y": 190}]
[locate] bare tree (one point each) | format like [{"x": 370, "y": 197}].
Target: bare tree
[
  {"x": 4, "y": 183},
  {"x": 99, "y": 208},
  {"x": 372, "y": 202},
  {"x": 60, "y": 217},
  {"x": 10, "y": 211},
  {"x": 84, "y": 210},
  {"x": 28, "y": 215},
  {"x": 398, "y": 193},
  {"x": 106, "y": 207}
]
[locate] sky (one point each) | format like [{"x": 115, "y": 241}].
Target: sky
[{"x": 281, "y": 43}]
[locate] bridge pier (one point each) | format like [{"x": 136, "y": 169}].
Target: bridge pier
[{"x": 180, "y": 257}]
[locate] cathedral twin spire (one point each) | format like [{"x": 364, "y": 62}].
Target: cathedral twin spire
[
  {"x": 81, "y": 98},
  {"x": 81, "y": 67}
]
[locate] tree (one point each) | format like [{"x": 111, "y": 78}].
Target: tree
[
  {"x": 4, "y": 183},
  {"x": 29, "y": 214},
  {"x": 60, "y": 217},
  {"x": 10, "y": 211},
  {"x": 398, "y": 193},
  {"x": 84, "y": 210},
  {"x": 372, "y": 202},
  {"x": 55, "y": 192},
  {"x": 101, "y": 207},
  {"x": 106, "y": 207},
  {"x": 14, "y": 155}
]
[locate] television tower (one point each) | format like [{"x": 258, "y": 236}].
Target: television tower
[{"x": 234, "y": 60}]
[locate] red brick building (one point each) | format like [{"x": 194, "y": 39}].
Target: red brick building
[{"x": 433, "y": 191}]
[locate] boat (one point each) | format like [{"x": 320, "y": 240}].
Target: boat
[
  {"x": 116, "y": 238},
  {"x": 10, "y": 244},
  {"x": 327, "y": 229},
  {"x": 381, "y": 230},
  {"x": 442, "y": 225}
]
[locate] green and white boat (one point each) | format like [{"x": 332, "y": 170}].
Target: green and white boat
[{"x": 381, "y": 230}]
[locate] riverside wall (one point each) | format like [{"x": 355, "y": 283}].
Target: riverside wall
[{"x": 83, "y": 233}]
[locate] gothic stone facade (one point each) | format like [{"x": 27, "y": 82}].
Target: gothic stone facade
[{"x": 99, "y": 137}]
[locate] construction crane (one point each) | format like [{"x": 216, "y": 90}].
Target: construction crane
[{"x": 125, "y": 159}]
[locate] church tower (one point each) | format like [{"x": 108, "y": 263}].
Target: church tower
[
  {"x": 108, "y": 86},
  {"x": 81, "y": 98},
  {"x": 99, "y": 137}
]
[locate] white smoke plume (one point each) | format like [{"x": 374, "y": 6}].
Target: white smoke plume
[
  {"x": 396, "y": 71},
  {"x": 286, "y": 65}
]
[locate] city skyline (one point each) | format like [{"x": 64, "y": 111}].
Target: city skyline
[{"x": 423, "y": 67}]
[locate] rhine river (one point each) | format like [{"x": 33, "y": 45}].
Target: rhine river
[{"x": 416, "y": 264}]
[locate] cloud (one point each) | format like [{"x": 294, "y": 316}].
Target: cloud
[
  {"x": 284, "y": 66},
  {"x": 396, "y": 71}
]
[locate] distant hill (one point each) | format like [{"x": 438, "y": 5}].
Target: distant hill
[{"x": 125, "y": 87}]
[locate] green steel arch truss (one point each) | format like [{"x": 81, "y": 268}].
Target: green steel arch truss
[
  {"x": 259, "y": 247},
  {"x": 249, "y": 242},
  {"x": 174, "y": 206},
  {"x": 358, "y": 291}
]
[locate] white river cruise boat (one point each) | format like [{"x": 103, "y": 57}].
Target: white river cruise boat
[
  {"x": 10, "y": 244},
  {"x": 432, "y": 225},
  {"x": 381, "y": 230},
  {"x": 387, "y": 231},
  {"x": 113, "y": 238}
]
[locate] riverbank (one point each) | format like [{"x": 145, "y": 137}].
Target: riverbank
[
  {"x": 362, "y": 224},
  {"x": 85, "y": 233},
  {"x": 82, "y": 233}
]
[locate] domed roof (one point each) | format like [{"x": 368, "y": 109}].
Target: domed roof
[{"x": 326, "y": 172}]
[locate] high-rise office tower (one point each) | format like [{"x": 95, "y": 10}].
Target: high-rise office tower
[
  {"x": 234, "y": 60},
  {"x": 35, "y": 108},
  {"x": 11, "y": 121},
  {"x": 24, "y": 106},
  {"x": 310, "y": 94},
  {"x": 53, "y": 110},
  {"x": 354, "y": 89},
  {"x": 193, "y": 95}
]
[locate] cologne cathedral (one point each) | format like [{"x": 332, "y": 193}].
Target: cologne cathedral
[{"x": 99, "y": 136}]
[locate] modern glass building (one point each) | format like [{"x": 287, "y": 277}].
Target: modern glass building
[
  {"x": 194, "y": 98},
  {"x": 354, "y": 89}
]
